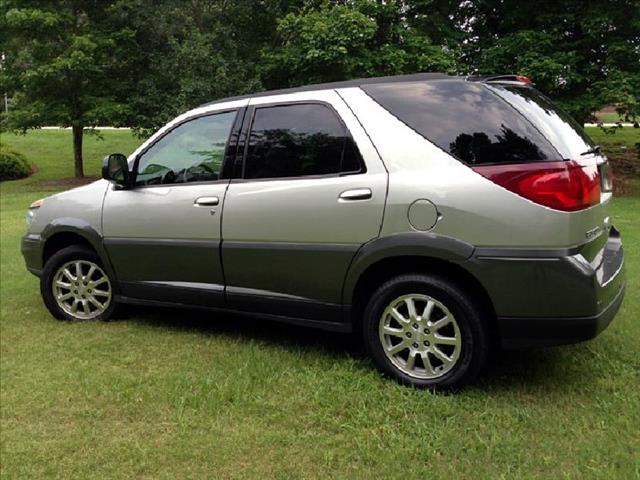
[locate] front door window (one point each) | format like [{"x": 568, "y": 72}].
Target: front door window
[{"x": 191, "y": 152}]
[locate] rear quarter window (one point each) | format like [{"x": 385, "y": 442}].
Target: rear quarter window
[
  {"x": 564, "y": 133},
  {"x": 467, "y": 120}
]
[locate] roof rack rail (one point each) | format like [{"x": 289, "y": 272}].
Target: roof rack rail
[{"x": 412, "y": 77}]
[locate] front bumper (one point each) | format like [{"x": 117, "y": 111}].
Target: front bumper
[
  {"x": 553, "y": 298},
  {"x": 31, "y": 248}
]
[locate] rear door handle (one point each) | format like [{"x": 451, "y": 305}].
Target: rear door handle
[
  {"x": 356, "y": 194},
  {"x": 206, "y": 201}
]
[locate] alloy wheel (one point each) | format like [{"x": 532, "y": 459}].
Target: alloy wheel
[
  {"x": 420, "y": 336},
  {"x": 82, "y": 289}
]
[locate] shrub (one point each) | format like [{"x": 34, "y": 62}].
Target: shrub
[{"x": 13, "y": 165}]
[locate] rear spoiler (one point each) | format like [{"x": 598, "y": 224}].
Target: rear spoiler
[{"x": 518, "y": 79}]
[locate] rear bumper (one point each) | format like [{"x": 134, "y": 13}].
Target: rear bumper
[
  {"x": 523, "y": 332},
  {"x": 544, "y": 298}
]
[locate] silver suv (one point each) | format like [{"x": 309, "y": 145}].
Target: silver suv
[{"x": 434, "y": 216}]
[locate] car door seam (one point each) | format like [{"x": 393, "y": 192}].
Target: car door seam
[{"x": 386, "y": 192}]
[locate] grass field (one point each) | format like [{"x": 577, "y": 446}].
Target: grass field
[
  {"x": 623, "y": 137},
  {"x": 188, "y": 394}
]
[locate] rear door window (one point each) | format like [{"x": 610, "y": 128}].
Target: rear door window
[
  {"x": 298, "y": 140},
  {"x": 467, "y": 120}
]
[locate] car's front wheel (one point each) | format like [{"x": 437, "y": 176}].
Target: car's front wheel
[
  {"x": 425, "y": 331},
  {"x": 75, "y": 286}
]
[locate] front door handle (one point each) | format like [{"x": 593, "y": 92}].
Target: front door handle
[
  {"x": 356, "y": 194},
  {"x": 206, "y": 201}
]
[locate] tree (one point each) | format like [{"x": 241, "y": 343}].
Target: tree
[
  {"x": 327, "y": 42},
  {"x": 81, "y": 63},
  {"x": 63, "y": 66},
  {"x": 195, "y": 52},
  {"x": 583, "y": 53}
]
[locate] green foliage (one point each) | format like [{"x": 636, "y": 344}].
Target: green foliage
[
  {"x": 141, "y": 62},
  {"x": 63, "y": 66},
  {"x": 337, "y": 42},
  {"x": 13, "y": 165},
  {"x": 62, "y": 63},
  {"x": 195, "y": 52},
  {"x": 584, "y": 54}
]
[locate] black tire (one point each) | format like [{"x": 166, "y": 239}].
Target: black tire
[
  {"x": 58, "y": 259},
  {"x": 468, "y": 315}
]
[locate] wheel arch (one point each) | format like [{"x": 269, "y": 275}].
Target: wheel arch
[
  {"x": 399, "y": 254},
  {"x": 64, "y": 232},
  {"x": 60, "y": 240}
]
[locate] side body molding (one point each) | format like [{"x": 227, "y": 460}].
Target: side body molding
[{"x": 420, "y": 244}]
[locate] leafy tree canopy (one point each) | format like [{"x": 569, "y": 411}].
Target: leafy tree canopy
[
  {"x": 138, "y": 63},
  {"x": 63, "y": 64},
  {"x": 583, "y": 53},
  {"x": 350, "y": 40},
  {"x": 195, "y": 52}
]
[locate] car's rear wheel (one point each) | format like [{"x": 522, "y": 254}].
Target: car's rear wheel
[
  {"x": 75, "y": 285},
  {"x": 425, "y": 331}
]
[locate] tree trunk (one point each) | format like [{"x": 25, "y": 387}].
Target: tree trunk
[{"x": 78, "y": 131}]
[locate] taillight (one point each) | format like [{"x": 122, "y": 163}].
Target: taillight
[
  {"x": 565, "y": 185},
  {"x": 606, "y": 185}
]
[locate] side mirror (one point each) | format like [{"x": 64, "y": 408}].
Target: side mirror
[{"x": 116, "y": 169}]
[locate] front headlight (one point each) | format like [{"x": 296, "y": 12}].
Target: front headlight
[{"x": 31, "y": 213}]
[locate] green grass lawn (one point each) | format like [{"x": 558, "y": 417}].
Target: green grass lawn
[
  {"x": 52, "y": 153},
  {"x": 622, "y": 137},
  {"x": 191, "y": 394}
]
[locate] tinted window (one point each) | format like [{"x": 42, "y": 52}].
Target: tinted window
[
  {"x": 562, "y": 131},
  {"x": 297, "y": 140},
  {"x": 466, "y": 120},
  {"x": 192, "y": 152}
]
